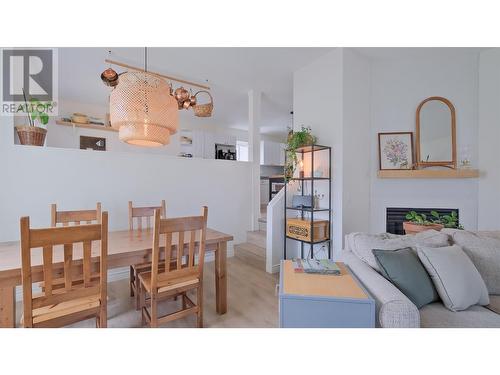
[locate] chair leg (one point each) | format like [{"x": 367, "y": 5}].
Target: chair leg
[
  {"x": 154, "y": 310},
  {"x": 199, "y": 302},
  {"x": 184, "y": 302},
  {"x": 143, "y": 319},
  {"x": 142, "y": 296},
  {"x": 132, "y": 281},
  {"x": 103, "y": 317},
  {"x": 138, "y": 292}
]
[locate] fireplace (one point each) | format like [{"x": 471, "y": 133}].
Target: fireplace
[{"x": 396, "y": 215}]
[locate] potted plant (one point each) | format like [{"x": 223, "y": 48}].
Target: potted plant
[
  {"x": 448, "y": 221},
  {"x": 33, "y": 134},
  {"x": 418, "y": 223},
  {"x": 296, "y": 139}
]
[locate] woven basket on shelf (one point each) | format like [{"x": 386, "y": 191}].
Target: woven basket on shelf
[
  {"x": 31, "y": 135},
  {"x": 203, "y": 110}
]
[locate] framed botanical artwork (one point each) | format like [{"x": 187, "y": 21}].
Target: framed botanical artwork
[{"x": 395, "y": 150}]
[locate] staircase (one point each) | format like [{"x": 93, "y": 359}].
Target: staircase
[{"x": 253, "y": 252}]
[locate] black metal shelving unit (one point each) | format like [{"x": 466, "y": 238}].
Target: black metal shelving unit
[{"x": 311, "y": 179}]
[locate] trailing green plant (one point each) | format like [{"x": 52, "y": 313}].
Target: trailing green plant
[
  {"x": 448, "y": 221},
  {"x": 295, "y": 140},
  {"x": 419, "y": 219},
  {"x": 38, "y": 111}
]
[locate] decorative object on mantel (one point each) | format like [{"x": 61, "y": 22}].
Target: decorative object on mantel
[
  {"x": 435, "y": 145},
  {"x": 32, "y": 134},
  {"x": 436, "y": 133},
  {"x": 465, "y": 157},
  {"x": 142, "y": 89},
  {"x": 295, "y": 140},
  {"x": 429, "y": 173},
  {"x": 395, "y": 150},
  {"x": 420, "y": 222}
]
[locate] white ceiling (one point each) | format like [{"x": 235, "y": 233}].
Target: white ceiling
[{"x": 231, "y": 73}]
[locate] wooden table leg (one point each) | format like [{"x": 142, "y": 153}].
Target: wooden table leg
[
  {"x": 221, "y": 278},
  {"x": 8, "y": 307}
]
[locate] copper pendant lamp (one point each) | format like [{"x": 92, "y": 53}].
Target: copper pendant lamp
[{"x": 143, "y": 109}]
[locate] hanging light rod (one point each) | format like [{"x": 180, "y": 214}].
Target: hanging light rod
[{"x": 156, "y": 74}]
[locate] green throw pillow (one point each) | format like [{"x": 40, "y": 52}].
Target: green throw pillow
[{"x": 404, "y": 269}]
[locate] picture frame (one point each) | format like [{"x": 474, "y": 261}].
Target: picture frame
[{"x": 395, "y": 150}]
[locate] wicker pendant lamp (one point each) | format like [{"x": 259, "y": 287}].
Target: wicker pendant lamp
[{"x": 143, "y": 109}]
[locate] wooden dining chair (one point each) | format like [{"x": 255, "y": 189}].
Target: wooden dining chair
[
  {"x": 140, "y": 213},
  {"x": 66, "y": 218},
  {"x": 74, "y": 217},
  {"x": 187, "y": 275},
  {"x": 57, "y": 307}
]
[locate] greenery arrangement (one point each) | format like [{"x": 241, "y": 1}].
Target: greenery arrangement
[
  {"x": 448, "y": 221},
  {"x": 296, "y": 139},
  {"x": 37, "y": 111}
]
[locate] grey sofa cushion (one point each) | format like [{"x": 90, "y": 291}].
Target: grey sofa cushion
[
  {"x": 362, "y": 244},
  {"x": 436, "y": 315},
  {"x": 457, "y": 280},
  {"x": 404, "y": 269},
  {"x": 483, "y": 248}
]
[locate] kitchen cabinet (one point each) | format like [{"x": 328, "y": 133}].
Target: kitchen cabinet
[{"x": 272, "y": 153}]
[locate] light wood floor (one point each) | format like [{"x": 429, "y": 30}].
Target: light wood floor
[{"x": 251, "y": 301}]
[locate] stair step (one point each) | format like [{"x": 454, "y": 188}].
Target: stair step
[
  {"x": 251, "y": 254},
  {"x": 257, "y": 238}
]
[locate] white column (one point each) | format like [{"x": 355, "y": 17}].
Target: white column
[{"x": 254, "y": 118}]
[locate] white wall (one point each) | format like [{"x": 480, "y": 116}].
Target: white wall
[
  {"x": 33, "y": 177},
  {"x": 489, "y": 139},
  {"x": 356, "y": 145},
  {"x": 317, "y": 102},
  {"x": 398, "y": 85},
  {"x": 348, "y": 98}
]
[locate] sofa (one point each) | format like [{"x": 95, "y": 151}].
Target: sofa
[{"x": 394, "y": 309}]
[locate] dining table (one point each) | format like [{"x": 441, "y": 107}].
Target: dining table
[{"x": 125, "y": 248}]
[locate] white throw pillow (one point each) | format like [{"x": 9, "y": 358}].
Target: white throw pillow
[
  {"x": 483, "y": 248},
  {"x": 362, "y": 244},
  {"x": 455, "y": 277}
]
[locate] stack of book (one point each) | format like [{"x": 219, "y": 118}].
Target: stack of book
[{"x": 318, "y": 266}]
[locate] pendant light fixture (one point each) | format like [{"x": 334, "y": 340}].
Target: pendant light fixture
[{"x": 143, "y": 109}]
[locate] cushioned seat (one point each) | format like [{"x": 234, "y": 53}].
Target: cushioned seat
[{"x": 436, "y": 315}]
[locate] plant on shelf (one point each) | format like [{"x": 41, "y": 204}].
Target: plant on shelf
[
  {"x": 34, "y": 134},
  {"x": 295, "y": 140}
]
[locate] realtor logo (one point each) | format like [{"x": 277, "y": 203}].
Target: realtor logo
[{"x": 27, "y": 74}]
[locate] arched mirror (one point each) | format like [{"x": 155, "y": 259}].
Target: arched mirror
[{"x": 436, "y": 138}]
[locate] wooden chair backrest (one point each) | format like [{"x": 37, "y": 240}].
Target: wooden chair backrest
[
  {"x": 47, "y": 238},
  {"x": 175, "y": 230},
  {"x": 144, "y": 212},
  {"x": 76, "y": 217}
]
